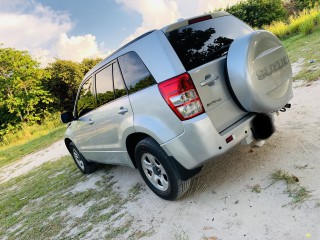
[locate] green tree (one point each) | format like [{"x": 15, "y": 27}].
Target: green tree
[
  {"x": 22, "y": 96},
  {"x": 64, "y": 77},
  {"x": 88, "y": 63},
  {"x": 257, "y": 13}
]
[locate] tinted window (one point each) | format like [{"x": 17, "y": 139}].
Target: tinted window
[
  {"x": 104, "y": 86},
  {"x": 119, "y": 87},
  {"x": 135, "y": 73},
  {"x": 85, "y": 100},
  {"x": 205, "y": 41}
]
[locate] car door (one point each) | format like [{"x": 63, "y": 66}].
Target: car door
[
  {"x": 113, "y": 117},
  {"x": 83, "y": 127}
]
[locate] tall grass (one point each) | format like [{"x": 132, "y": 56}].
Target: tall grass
[
  {"x": 305, "y": 22},
  {"x": 26, "y": 139},
  {"x": 24, "y": 133}
]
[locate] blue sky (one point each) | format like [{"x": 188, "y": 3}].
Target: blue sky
[
  {"x": 106, "y": 19},
  {"x": 74, "y": 29}
]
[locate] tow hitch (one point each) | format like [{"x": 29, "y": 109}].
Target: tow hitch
[{"x": 284, "y": 109}]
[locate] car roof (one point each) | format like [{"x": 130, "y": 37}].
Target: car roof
[{"x": 178, "y": 24}]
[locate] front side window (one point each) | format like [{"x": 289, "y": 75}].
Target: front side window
[
  {"x": 85, "y": 101},
  {"x": 104, "y": 86},
  {"x": 135, "y": 73},
  {"x": 205, "y": 41}
]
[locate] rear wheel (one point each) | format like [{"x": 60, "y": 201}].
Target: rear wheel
[
  {"x": 84, "y": 166},
  {"x": 158, "y": 171}
]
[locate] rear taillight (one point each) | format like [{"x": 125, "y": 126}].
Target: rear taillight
[{"x": 181, "y": 96}]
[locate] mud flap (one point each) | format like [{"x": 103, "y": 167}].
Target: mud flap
[{"x": 183, "y": 173}]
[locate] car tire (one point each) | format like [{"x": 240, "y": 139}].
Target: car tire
[
  {"x": 83, "y": 165},
  {"x": 158, "y": 171}
]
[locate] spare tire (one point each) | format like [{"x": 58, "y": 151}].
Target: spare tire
[{"x": 260, "y": 73}]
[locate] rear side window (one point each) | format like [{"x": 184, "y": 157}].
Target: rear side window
[
  {"x": 119, "y": 87},
  {"x": 205, "y": 41},
  {"x": 135, "y": 73},
  {"x": 85, "y": 100}
]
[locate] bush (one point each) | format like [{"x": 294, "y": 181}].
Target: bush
[
  {"x": 307, "y": 27},
  {"x": 280, "y": 29},
  {"x": 305, "y": 4},
  {"x": 17, "y": 134},
  {"x": 306, "y": 22},
  {"x": 257, "y": 13}
]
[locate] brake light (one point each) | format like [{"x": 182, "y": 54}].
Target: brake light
[
  {"x": 181, "y": 96},
  {"x": 200, "y": 19}
]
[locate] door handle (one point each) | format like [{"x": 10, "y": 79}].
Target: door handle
[
  {"x": 122, "y": 110},
  {"x": 209, "y": 80},
  {"x": 91, "y": 122}
]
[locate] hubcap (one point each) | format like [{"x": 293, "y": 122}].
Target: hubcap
[
  {"x": 154, "y": 172},
  {"x": 78, "y": 159}
]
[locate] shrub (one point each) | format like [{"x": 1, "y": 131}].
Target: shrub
[
  {"x": 306, "y": 22},
  {"x": 307, "y": 27},
  {"x": 257, "y": 13},
  {"x": 16, "y": 134},
  {"x": 280, "y": 29}
]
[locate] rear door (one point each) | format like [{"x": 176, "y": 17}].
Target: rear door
[{"x": 202, "y": 47}]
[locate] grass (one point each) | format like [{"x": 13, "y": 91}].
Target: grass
[
  {"x": 20, "y": 134},
  {"x": 256, "y": 188},
  {"x": 295, "y": 191},
  {"x": 48, "y": 203},
  {"x": 305, "y": 22},
  {"x": 305, "y": 48},
  {"x": 13, "y": 152},
  {"x": 281, "y": 175},
  {"x": 27, "y": 139}
]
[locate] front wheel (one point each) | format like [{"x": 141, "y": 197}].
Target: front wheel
[
  {"x": 157, "y": 170},
  {"x": 84, "y": 166}
]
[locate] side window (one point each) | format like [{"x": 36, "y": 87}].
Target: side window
[
  {"x": 119, "y": 87},
  {"x": 135, "y": 73},
  {"x": 85, "y": 100},
  {"x": 104, "y": 86}
]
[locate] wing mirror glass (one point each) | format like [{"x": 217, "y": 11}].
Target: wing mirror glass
[{"x": 67, "y": 117}]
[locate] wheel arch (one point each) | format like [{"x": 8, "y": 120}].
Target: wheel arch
[
  {"x": 67, "y": 142},
  {"x": 131, "y": 142}
]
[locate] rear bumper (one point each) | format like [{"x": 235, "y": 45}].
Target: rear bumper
[{"x": 200, "y": 141}]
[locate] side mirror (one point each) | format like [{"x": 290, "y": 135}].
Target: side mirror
[{"x": 67, "y": 117}]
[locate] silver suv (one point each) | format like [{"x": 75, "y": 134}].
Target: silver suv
[{"x": 175, "y": 98}]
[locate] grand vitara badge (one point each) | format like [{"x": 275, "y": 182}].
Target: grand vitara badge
[{"x": 272, "y": 68}]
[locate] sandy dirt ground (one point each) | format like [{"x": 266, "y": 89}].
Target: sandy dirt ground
[
  {"x": 220, "y": 203},
  {"x": 29, "y": 162}
]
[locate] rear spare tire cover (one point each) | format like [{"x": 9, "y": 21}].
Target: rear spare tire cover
[{"x": 260, "y": 73}]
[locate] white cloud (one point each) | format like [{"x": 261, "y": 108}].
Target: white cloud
[
  {"x": 77, "y": 48},
  {"x": 155, "y": 14},
  {"x": 158, "y": 13},
  {"x": 27, "y": 25}
]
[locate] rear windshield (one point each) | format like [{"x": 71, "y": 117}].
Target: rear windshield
[{"x": 205, "y": 41}]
